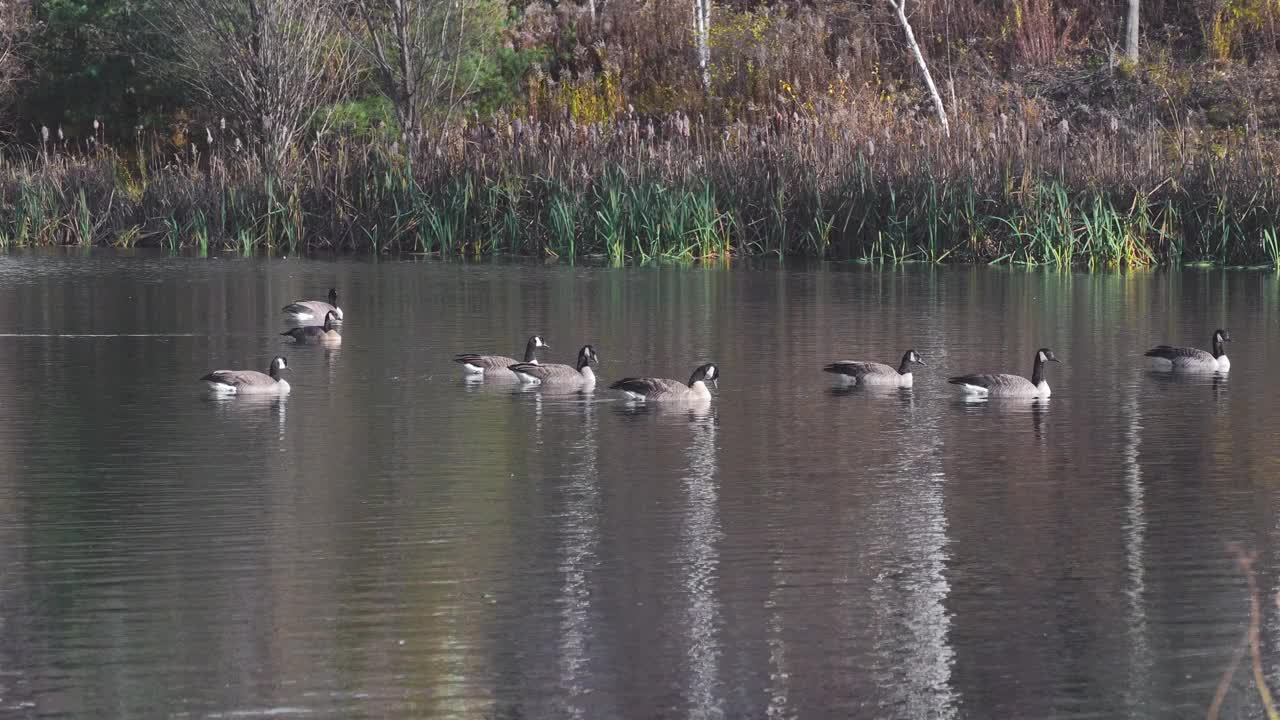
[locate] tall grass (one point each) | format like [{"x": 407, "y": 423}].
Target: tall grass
[{"x": 845, "y": 186}]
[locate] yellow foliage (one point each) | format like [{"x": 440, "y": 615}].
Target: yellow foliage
[
  {"x": 134, "y": 187},
  {"x": 737, "y": 29},
  {"x": 590, "y": 100},
  {"x": 1231, "y": 19}
]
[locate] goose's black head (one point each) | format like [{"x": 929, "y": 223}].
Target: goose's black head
[
  {"x": 535, "y": 344},
  {"x": 587, "y": 356},
  {"x": 278, "y": 365},
  {"x": 909, "y": 358},
  {"x": 1220, "y": 336},
  {"x": 708, "y": 373},
  {"x": 333, "y": 297},
  {"x": 1043, "y": 355}
]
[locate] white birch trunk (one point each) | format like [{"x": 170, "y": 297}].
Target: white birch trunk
[
  {"x": 900, "y": 7},
  {"x": 702, "y": 29},
  {"x": 1131, "y": 33}
]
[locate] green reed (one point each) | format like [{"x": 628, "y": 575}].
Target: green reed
[
  {"x": 817, "y": 188},
  {"x": 1271, "y": 246}
]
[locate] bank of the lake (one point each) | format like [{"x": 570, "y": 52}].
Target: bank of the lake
[{"x": 997, "y": 190}]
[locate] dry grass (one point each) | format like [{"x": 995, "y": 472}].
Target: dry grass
[{"x": 840, "y": 184}]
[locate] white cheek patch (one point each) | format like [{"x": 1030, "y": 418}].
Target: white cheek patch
[{"x": 1043, "y": 358}]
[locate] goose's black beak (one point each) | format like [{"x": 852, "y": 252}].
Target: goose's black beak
[{"x": 921, "y": 363}]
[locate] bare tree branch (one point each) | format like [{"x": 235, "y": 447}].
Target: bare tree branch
[
  {"x": 416, "y": 48},
  {"x": 900, "y": 8},
  {"x": 15, "y": 16},
  {"x": 270, "y": 65}
]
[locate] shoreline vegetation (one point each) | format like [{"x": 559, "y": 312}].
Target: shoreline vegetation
[
  {"x": 996, "y": 191},
  {"x": 635, "y": 130}
]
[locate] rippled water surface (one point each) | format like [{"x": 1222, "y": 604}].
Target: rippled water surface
[{"x": 391, "y": 541}]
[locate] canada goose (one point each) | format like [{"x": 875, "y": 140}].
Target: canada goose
[
  {"x": 303, "y": 310},
  {"x": 557, "y": 374},
  {"x": 855, "y": 372},
  {"x": 475, "y": 364},
  {"x": 1165, "y": 357},
  {"x": 249, "y": 382},
  {"x": 644, "y": 389},
  {"x": 325, "y": 334},
  {"x": 1002, "y": 385}
]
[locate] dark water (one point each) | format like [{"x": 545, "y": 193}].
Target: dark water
[{"x": 392, "y": 542}]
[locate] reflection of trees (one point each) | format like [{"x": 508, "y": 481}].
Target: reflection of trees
[
  {"x": 699, "y": 537},
  {"x": 577, "y": 562},
  {"x": 1135, "y": 527},
  {"x": 909, "y": 590}
]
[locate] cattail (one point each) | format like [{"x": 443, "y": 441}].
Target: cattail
[
  {"x": 222, "y": 124},
  {"x": 61, "y": 137},
  {"x": 208, "y": 136},
  {"x": 44, "y": 133},
  {"x": 237, "y": 144}
]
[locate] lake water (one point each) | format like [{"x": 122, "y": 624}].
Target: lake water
[{"x": 390, "y": 541}]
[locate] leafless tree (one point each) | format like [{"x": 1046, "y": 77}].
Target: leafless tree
[
  {"x": 415, "y": 47},
  {"x": 900, "y": 9},
  {"x": 270, "y": 65},
  {"x": 1131, "y": 33},
  {"x": 701, "y": 31},
  {"x": 15, "y": 17}
]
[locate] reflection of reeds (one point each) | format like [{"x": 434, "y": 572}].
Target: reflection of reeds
[
  {"x": 853, "y": 185},
  {"x": 1251, "y": 644}
]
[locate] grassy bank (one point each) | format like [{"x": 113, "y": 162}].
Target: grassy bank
[{"x": 846, "y": 185}]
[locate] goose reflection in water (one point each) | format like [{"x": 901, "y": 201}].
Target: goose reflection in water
[
  {"x": 904, "y": 396},
  {"x": 697, "y": 410},
  {"x": 253, "y": 411},
  {"x": 1176, "y": 382},
  {"x": 1037, "y": 408}
]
